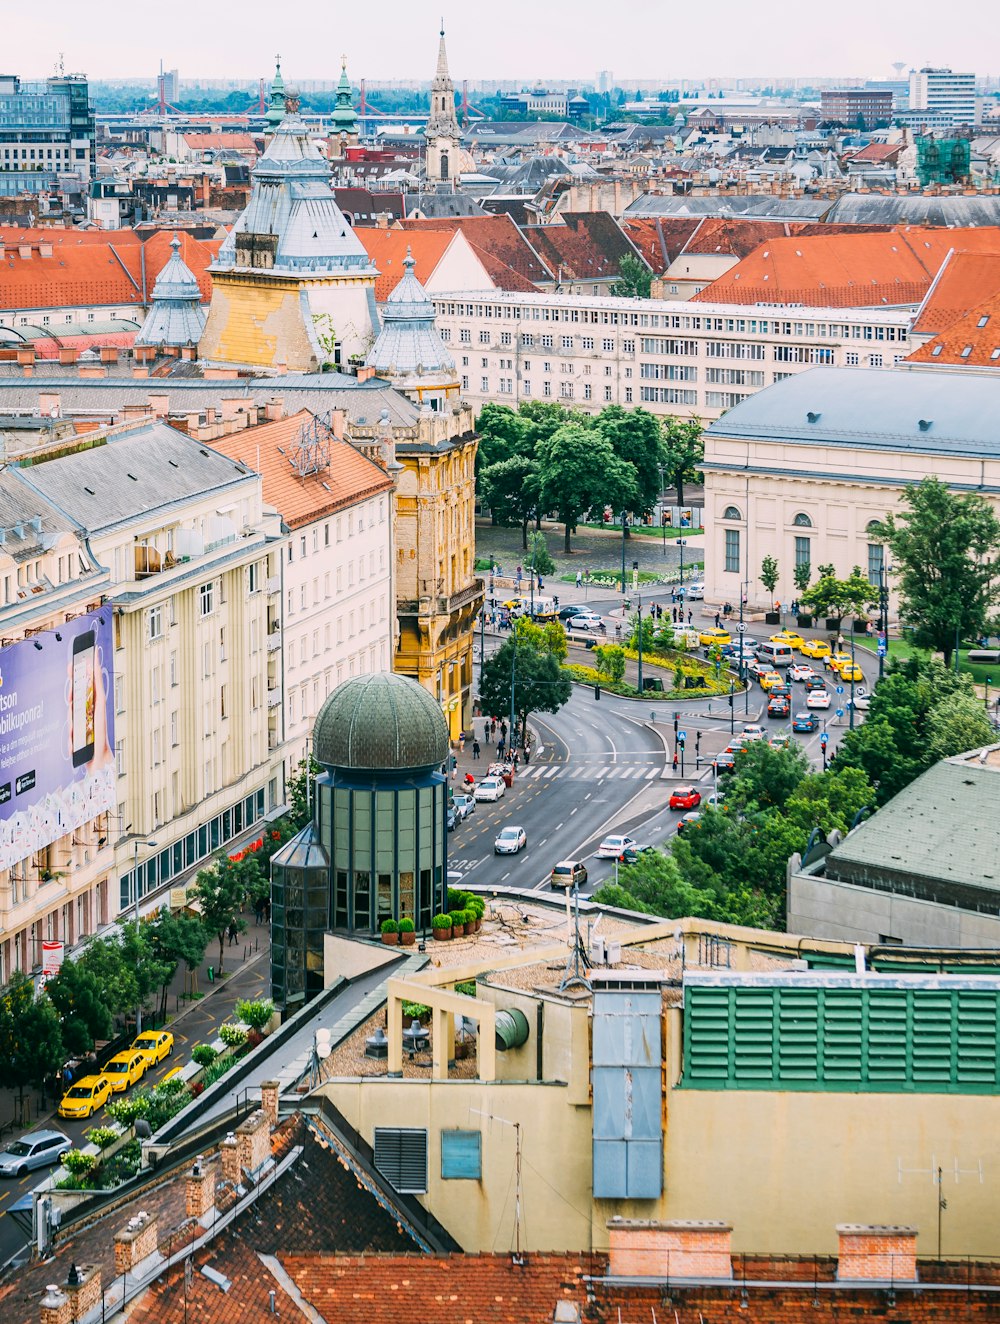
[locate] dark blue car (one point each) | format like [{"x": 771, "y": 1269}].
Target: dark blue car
[{"x": 805, "y": 722}]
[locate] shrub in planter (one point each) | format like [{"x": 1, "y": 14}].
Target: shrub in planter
[
  {"x": 102, "y": 1136},
  {"x": 257, "y": 1014},
  {"x": 772, "y": 618},
  {"x": 77, "y": 1162},
  {"x": 441, "y": 927},
  {"x": 204, "y": 1054},
  {"x": 416, "y": 1011},
  {"x": 454, "y": 899},
  {"x": 128, "y": 1109},
  {"x": 468, "y": 987},
  {"x": 390, "y": 932},
  {"x": 233, "y": 1036},
  {"x": 407, "y": 932}
]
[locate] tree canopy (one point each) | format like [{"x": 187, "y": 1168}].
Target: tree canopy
[
  {"x": 579, "y": 471},
  {"x": 634, "y": 279},
  {"x": 833, "y": 597},
  {"x": 683, "y": 452},
  {"x": 539, "y": 684}
]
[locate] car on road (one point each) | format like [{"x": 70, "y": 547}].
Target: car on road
[
  {"x": 780, "y": 740},
  {"x": 778, "y": 706},
  {"x": 710, "y": 637},
  {"x": 36, "y": 1150},
  {"x": 124, "y": 1069},
  {"x": 464, "y": 806},
  {"x": 806, "y": 721},
  {"x": 861, "y": 701},
  {"x": 568, "y": 873},
  {"x": 815, "y": 648},
  {"x": 586, "y": 620},
  {"x": 753, "y": 731},
  {"x": 572, "y": 609},
  {"x": 800, "y": 671},
  {"x": 716, "y": 800},
  {"x": 788, "y": 637},
  {"x": 851, "y": 672},
  {"x": 685, "y": 797},
  {"x": 758, "y": 669},
  {"x": 510, "y": 840},
  {"x": 490, "y": 788},
  {"x": 836, "y": 660},
  {"x": 771, "y": 680},
  {"x": 632, "y": 853},
  {"x": 451, "y": 819},
  {"x": 816, "y": 682},
  {"x": 154, "y": 1045},
  {"x": 614, "y": 847},
  {"x": 818, "y": 699},
  {"x": 695, "y": 590},
  {"x": 726, "y": 761},
  {"x": 687, "y": 820},
  {"x": 84, "y": 1097}
]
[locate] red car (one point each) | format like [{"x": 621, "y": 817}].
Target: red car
[{"x": 685, "y": 797}]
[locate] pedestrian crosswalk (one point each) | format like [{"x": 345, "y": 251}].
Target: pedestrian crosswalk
[{"x": 588, "y": 772}]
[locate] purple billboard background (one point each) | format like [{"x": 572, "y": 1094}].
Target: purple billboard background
[{"x": 57, "y": 738}]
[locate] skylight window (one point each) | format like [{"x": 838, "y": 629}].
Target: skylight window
[
  {"x": 967, "y": 351},
  {"x": 937, "y": 350},
  {"x": 983, "y": 320}
]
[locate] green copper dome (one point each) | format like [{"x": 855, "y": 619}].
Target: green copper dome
[{"x": 380, "y": 723}]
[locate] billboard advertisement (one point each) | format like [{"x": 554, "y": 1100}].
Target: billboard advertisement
[{"x": 57, "y": 739}]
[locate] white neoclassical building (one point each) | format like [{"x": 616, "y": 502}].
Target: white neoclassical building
[{"x": 802, "y": 470}]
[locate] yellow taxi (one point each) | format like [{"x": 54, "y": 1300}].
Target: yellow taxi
[
  {"x": 770, "y": 679},
  {"x": 788, "y": 637},
  {"x": 837, "y": 661},
  {"x": 154, "y": 1045},
  {"x": 815, "y": 648},
  {"x": 124, "y": 1069},
  {"x": 851, "y": 672},
  {"x": 709, "y": 637},
  {"x": 84, "y": 1097}
]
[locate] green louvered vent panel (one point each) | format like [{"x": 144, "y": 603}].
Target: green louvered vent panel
[{"x": 935, "y": 1040}]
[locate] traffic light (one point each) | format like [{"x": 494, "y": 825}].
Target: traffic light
[{"x": 682, "y": 738}]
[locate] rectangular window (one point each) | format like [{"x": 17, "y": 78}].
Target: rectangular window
[
  {"x": 206, "y": 599},
  {"x": 461, "y": 1155},
  {"x": 876, "y": 559},
  {"x": 733, "y": 551},
  {"x": 401, "y": 1157},
  {"x": 253, "y": 577},
  {"x": 156, "y": 622},
  {"x": 803, "y": 551}
]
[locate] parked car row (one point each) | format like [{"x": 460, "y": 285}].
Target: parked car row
[{"x": 85, "y": 1096}]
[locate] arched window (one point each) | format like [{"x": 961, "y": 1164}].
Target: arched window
[
  {"x": 444, "y": 165},
  {"x": 874, "y": 526},
  {"x": 802, "y": 520},
  {"x": 731, "y": 512}
]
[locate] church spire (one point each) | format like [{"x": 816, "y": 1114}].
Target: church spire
[
  {"x": 442, "y": 66},
  {"x": 443, "y": 135},
  {"x": 276, "y": 106}
]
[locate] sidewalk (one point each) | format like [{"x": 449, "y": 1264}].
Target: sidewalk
[{"x": 247, "y": 974}]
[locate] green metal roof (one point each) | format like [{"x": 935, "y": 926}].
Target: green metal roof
[{"x": 380, "y": 723}]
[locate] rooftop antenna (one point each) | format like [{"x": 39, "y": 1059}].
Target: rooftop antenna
[
  {"x": 61, "y": 64},
  {"x": 578, "y": 960},
  {"x": 492, "y": 1117},
  {"x": 938, "y": 1174}
]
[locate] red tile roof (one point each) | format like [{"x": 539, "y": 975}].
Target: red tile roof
[
  {"x": 845, "y": 270},
  {"x": 973, "y": 341},
  {"x": 878, "y": 153},
  {"x": 586, "y": 246},
  {"x": 500, "y": 246},
  {"x": 661, "y": 240},
  {"x": 92, "y": 268},
  {"x": 267, "y": 449},
  {"x": 212, "y": 142},
  {"x": 963, "y": 282},
  {"x": 387, "y": 249}
]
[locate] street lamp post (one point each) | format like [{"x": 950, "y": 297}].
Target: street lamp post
[
  {"x": 663, "y": 513},
  {"x": 135, "y": 897},
  {"x": 640, "y": 645},
  {"x": 513, "y": 659},
  {"x": 883, "y": 616},
  {"x": 853, "y": 666},
  {"x": 682, "y": 543},
  {"x": 624, "y": 514}
]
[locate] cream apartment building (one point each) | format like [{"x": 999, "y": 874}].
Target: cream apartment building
[
  {"x": 669, "y": 356},
  {"x": 336, "y": 574},
  {"x": 191, "y": 562},
  {"x": 805, "y": 470}
]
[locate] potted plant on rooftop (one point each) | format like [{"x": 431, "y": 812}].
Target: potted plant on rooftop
[
  {"x": 390, "y": 932},
  {"x": 441, "y": 927},
  {"x": 407, "y": 933}
]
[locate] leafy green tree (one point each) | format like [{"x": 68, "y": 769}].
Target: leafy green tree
[
  {"x": 654, "y": 885},
  {"x": 955, "y": 724},
  {"x": 31, "y": 1043},
  {"x": 540, "y": 557},
  {"x": 942, "y": 547},
  {"x": 636, "y": 436},
  {"x": 683, "y": 452},
  {"x": 663, "y": 639},
  {"x": 648, "y": 632},
  {"x": 765, "y": 776},
  {"x": 118, "y": 979},
  {"x": 221, "y": 890},
  {"x": 610, "y": 659},
  {"x": 539, "y": 684},
  {"x": 549, "y": 637},
  {"x": 834, "y": 598},
  {"x": 801, "y": 576},
  {"x": 578, "y": 471},
  {"x": 137, "y": 951},
  {"x": 502, "y": 435},
  {"x": 177, "y": 938},
  {"x": 78, "y": 998},
  {"x": 301, "y": 792},
  {"x": 634, "y": 279},
  {"x": 769, "y": 575},
  {"x": 510, "y": 489}
]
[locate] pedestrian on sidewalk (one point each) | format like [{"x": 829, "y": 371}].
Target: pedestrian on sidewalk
[
  {"x": 475, "y": 749},
  {"x": 673, "y": 595},
  {"x": 461, "y": 741},
  {"x": 579, "y": 579},
  {"x": 503, "y": 732},
  {"x": 675, "y": 760},
  {"x": 718, "y": 621},
  {"x": 493, "y": 727},
  {"x": 527, "y": 752},
  {"x": 690, "y": 615},
  {"x": 234, "y": 933},
  {"x": 500, "y": 747}
]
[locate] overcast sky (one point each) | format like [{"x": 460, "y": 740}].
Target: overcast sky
[{"x": 523, "y": 39}]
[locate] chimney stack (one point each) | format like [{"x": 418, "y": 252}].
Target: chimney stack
[
  {"x": 199, "y": 1189},
  {"x": 875, "y": 1252}
]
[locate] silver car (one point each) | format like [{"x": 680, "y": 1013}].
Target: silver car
[{"x": 36, "y": 1150}]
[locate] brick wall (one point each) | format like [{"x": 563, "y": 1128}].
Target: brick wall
[
  {"x": 876, "y": 1251},
  {"x": 253, "y": 1141},
  {"x": 199, "y": 1190},
  {"x": 229, "y": 1150},
  {"x": 85, "y": 1295},
  {"x": 135, "y": 1244},
  {"x": 55, "y": 1308},
  {"x": 677, "y": 1249},
  {"x": 269, "y": 1100}
]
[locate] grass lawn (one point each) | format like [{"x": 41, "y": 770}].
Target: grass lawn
[
  {"x": 980, "y": 672},
  {"x": 647, "y": 530}
]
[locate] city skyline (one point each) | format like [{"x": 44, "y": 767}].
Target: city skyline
[{"x": 864, "y": 43}]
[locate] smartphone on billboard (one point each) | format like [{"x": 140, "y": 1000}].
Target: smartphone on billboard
[{"x": 84, "y": 697}]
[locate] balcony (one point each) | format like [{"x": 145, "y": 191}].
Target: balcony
[
  {"x": 274, "y": 698},
  {"x": 274, "y": 642}
]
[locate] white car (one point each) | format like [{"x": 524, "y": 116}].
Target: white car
[
  {"x": 861, "y": 700},
  {"x": 585, "y": 620},
  {"x": 490, "y": 788},
  {"x": 818, "y": 699},
  {"x": 800, "y": 671},
  {"x": 695, "y": 591},
  {"x": 509, "y": 841},
  {"x": 754, "y": 732},
  {"x": 612, "y": 848}
]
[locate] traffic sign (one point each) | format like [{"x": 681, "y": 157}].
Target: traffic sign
[
  {"x": 882, "y": 650},
  {"x": 740, "y": 627},
  {"x": 839, "y": 712},
  {"x": 823, "y": 738},
  {"x": 840, "y": 689},
  {"x": 682, "y": 736}
]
